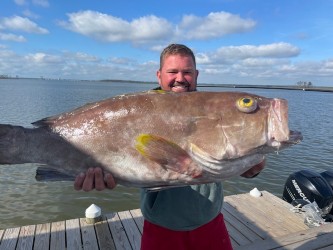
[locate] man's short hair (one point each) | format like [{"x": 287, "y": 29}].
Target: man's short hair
[{"x": 176, "y": 49}]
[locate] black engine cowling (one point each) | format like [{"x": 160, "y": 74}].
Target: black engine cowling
[{"x": 310, "y": 186}]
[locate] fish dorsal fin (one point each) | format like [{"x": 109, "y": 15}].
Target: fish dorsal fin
[{"x": 167, "y": 154}]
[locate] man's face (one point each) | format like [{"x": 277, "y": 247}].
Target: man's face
[{"x": 178, "y": 74}]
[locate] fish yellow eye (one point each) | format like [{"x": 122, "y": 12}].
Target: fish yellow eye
[{"x": 247, "y": 104}]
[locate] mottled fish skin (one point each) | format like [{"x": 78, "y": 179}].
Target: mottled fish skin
[{"x": 155, "y": 138}]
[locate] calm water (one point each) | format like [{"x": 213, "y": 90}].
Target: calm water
[{"x": 25, "y": 201}]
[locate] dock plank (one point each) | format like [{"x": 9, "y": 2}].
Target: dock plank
[
  {"x": 236, "y": 237},
  {"x": 9, "y": 239},
  {"x": 273, "y": 206},
  {"x": 104, "y": 237},
  {"x": 58, "y": 236},
  {"x": 138, "y": 218},
  {"x": 26, "y": 237},
  {"x": 238, "y": 231},
  {"x": 131, "y": 229},
  {"x": 73, "y": 234},
  {"x": 118, "y": 232},
  {"x": 264, "y": 214},
  {"x": 312, "y": 238},
  {"x": 88, "y": 234},
  {"x": 42, "y": 236}
]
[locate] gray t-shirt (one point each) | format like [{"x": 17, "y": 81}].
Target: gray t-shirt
[{"x": 183, "y": 208}]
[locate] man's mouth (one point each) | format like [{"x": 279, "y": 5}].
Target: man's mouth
[{"x": 180, "y": 86}]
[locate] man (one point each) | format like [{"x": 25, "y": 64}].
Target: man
[{"x": 177, "y": 218}]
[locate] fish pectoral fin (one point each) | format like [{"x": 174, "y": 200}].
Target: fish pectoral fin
[
  {"x": 51, "y": 174},
  {"x": 167, "y": 154}
]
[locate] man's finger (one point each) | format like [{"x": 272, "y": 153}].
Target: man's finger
[
  {"x": 99, "y": 179},
  {"x": 88, "y": 183},
  {"x": 109, "y": 181},
  {"x": 79, "y": 181}
]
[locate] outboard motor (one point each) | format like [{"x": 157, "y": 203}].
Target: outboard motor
[
  {"x": 328, "y": 176},
  {"x": 309, "y": 186}
]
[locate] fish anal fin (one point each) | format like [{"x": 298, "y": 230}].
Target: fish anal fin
[
  {"x": 50, "y": 174},
  {"x": 167, "y": 154}
]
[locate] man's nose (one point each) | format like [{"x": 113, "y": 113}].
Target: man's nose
[{"x": 180, "y": 77}]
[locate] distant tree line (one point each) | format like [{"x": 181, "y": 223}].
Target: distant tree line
[
  {"x": 304, "y": 84},
  {"x": 3, "y": 76}
]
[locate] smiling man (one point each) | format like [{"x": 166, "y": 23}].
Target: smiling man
[
  {"x": 177, "y": 71},
  {"x": 177, "y": 218}
]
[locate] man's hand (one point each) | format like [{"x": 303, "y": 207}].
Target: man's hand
[
  {"x": 94, "y": 178},
  {"x": 255, "y": 170}
]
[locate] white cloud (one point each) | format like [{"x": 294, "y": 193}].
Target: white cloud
[
  {"x": 80, "y": 57},
  {"x": 151, "y": 28},
  {"x": 73, "y": 65},
  {"x": 242, "y": 70},
  {"x": 43, "y": 3},
  {"x": 20, "y": 2},
  {"x": 19, "y": 23},
  {"x": 215, "y": 24},
  {"x": 11, "y": 37},
  {"x": 30, "y": 14},
  {"x": 229, "y": 54},
  {"x": 279, "y": 50},
  {"x": 263, "y": 64},
  {"x": 113, "y": 29}
]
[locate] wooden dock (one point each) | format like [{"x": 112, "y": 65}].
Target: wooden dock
[{"x": 253, "y": 223}]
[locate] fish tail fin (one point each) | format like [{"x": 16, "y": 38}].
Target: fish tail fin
[
  {"x": 167, "y": 154},
  {"x": 11, "y": 138}
]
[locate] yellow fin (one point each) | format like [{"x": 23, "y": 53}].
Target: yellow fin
[{"x": 167, "y": 154}]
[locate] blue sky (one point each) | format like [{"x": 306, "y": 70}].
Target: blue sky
[{"x": 236, "y": 42}]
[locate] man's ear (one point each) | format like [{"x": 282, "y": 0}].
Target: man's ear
[{"x": 158, "y": 74}]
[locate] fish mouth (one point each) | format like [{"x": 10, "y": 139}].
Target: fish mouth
[{"x": 295, "y": 137}]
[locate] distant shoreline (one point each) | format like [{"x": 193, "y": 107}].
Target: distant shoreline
[{"x": 286, "y": 87}]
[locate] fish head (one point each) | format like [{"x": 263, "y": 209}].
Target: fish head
[
  {"x": 267, "y": 125},
  {"x": 242, "y": 124}
]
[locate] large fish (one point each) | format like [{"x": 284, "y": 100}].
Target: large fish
[{"x": 155, "y": 138}]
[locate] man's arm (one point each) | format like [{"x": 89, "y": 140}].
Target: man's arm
[{"x": 255, "y": 170}]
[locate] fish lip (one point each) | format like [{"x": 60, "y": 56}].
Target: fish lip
[{"x": 294, "y": 137}]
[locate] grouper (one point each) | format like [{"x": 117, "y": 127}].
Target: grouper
[{"x": 154, "y": 139}]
